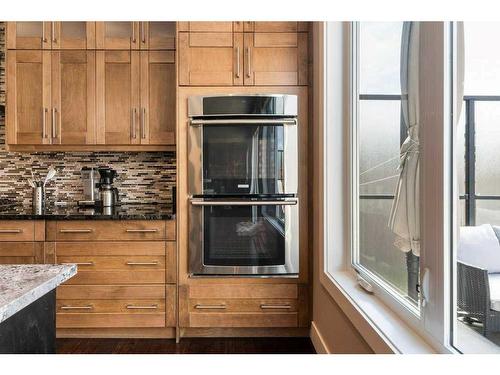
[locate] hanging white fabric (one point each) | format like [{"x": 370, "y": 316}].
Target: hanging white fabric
[{"x": 404, "y": 219}]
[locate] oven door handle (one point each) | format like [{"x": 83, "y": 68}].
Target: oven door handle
[
  {"x": 284, "y": 121},
  {"x": 286, "y": 202}
]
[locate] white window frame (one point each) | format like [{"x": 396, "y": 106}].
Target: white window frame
[{"x": 385, "y": 323}]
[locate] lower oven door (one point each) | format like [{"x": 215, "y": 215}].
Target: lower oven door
[{"x": 257, "y": 238}]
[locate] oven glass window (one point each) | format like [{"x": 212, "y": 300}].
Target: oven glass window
[
  {"x": 244, "y": 236},
  {"x": 243, "y": 159}
]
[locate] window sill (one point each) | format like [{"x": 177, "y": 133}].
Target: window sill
[{"x": 381, "y": 328}]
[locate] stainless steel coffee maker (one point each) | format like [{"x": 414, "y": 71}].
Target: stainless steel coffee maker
[
  {"x": 90, "y": 177},
  {"x": 108, "y": 195}
]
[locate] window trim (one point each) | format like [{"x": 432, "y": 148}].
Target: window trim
[{"x": 335, "y": 275}]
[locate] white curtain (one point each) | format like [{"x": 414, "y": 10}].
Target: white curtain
[{"x": 404, "y": 219}]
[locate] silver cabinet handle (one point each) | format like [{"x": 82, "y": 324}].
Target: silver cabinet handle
[
  {"x": 6, "y": 231},
  {"x": 143, "y": 123},
  {"x": 286, "y": 202},
  {"x": 238, "y": 62},
  {"x": 133, "y": 33},
  {"x": 44, "y": 122},
  {"x": 210, "y": 307},
  {"x": 143, "y": 34},
  {"x": 76, "y": 230},
  {"x": 69, "y": 307},
  {"x": 141, "y": 230},
  {"x": 54, "y": 111},
  {"x": 44, "y": 38},
  {"x": 249, "y": 62},
  {"x": 275, "y": 307},
  {"x": 285, "y": 121},
  {"x": 133, "y": 114},
  {"x": 141, "y": 307},
  {"x": 154, "y": 263},
  {"x": 81, "y": 263}
]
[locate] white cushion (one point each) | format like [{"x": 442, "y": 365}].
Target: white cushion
[
  {"x": 494, "y": 281},
  {"x": 479, "y": 247}
]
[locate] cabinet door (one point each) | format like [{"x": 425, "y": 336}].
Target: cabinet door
[
  {"x": 157, "y": 35},
  {"x": 209, "y": 59},
  {"x": 73, "y": 35},
  {"x": 29, "y": 35},
  {"x": 28, "y": 97},
  {"x": 211, "y": 27},
  {"x": 117, "y": 35},
  {"x": 73, "y": 97},
  {"x": 117, "y": 82},
  {"x": 276, "y": 59},
  {"x": 157, "y": 116}
]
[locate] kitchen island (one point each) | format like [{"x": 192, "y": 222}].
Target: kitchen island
[{"x": 27, "y": 306}]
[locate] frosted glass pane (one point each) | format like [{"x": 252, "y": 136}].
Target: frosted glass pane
[
  {"x": 29, "y": 29},
  {"x": 488, "y": 148},
  {"x": 379, "y": 137},
  {"x": 487, "y": 212},
  {"x": 118, "y": 29},
  {"x": 379, "y": 57},
  {"x": 376, "y": 249},
  {"x": 482, "y": 58},
  {"x": 74, "y": 30},
  {"x": 162, "y": 29}
]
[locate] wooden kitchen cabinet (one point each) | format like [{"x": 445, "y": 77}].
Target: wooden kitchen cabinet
[
  {"x": 28, "y": 110},
  {"x": 264, "y": 54},
  {"x": 73, "y": 97},
  {"x": 157, "y": 35},
  {"x": 210, "y": 58},
  {"x": 158, "y": 99},
  {"x": 117, "y": 97},
  {"x": 117, "y": 35},
  {"x": 273, "y": 58},
  {"x": 51, "y": 35}
]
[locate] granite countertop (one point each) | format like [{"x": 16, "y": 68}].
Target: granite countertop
[
  {"x": 23, "y": 284},
  {"x": 73, "y": 212}
]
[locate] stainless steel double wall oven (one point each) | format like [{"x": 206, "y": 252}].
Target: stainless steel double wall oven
[{"x": 243, "y": 178}]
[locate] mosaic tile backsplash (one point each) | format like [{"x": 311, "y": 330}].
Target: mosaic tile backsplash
[{"x": 143, "y": 177}]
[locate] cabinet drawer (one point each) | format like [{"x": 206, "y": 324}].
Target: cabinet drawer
[
  {"x": 125, "y": 276},
  {"x": 115, "y": 306},
  {"x": 21, "y": 252},
  {"x": 133, "y": 230},
  {"x": 243, "y": 320},
  {"x": 242, "y": 305},
  {"x": 17, "y": 230}
]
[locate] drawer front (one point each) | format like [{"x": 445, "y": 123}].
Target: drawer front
[
  {"x": 257, "y": 305},
  {"x": 17, "y": 230},
  {"x": 85, "y": 320},
  {"x": 117, "y": 306},
  {"x": 21, "y": 252},
  {"x": 113, "y": 230},
  {"x": 143, "y": 276}
]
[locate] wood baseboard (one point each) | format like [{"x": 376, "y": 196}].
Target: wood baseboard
[
  {"x": 318, "y": 341},
  {"x": 99, "y": 333},
  {"x": 244, "y": 332}
]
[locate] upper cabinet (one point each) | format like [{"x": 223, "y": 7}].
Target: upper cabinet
[
  {"x": 135, "y": 35},
  {"x": 51, "y": 35},
  {"x": 243, "y": 53}
]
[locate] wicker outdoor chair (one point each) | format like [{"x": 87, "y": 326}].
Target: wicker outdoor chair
[{"x": 475, "y": 302}]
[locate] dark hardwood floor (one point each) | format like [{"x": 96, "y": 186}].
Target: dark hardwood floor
[{"x": 285, "y": 345}]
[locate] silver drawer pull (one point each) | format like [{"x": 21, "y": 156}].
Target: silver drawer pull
[
  {"x": 210, "y": 307},
  {"x": 285, "y": 121},
  {"x": 81, "y": 263},
  {"x": 286, "y": 202},
  {"x": 5, "y": 231},
  {"x": 134, "y": 307},
  {"x": 266, "y": 307},
  {"x": 141, "y": 230},
  {"x": 76, "y": 230},
  {"x": 155, "y": 263},
  {"x": 86, "y": 307}
]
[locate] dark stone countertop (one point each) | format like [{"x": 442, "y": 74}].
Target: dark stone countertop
[{"x": 73, "y": 212}]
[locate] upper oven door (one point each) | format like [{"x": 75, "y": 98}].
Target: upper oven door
[{"x": 243, "y": 156}]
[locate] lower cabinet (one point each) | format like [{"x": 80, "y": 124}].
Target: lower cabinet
[{"x": 239, "y": 306}]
